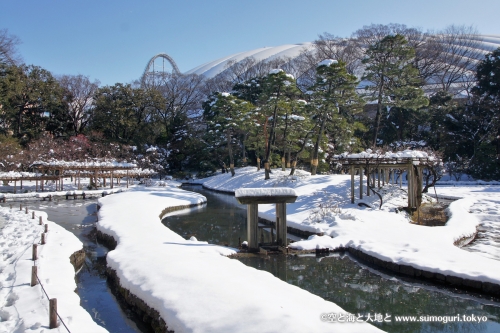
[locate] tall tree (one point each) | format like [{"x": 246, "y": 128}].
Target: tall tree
[
  {"x": 346, "y": 50},
  {"x": 394, "y": 80},
  {"x": 79, "y": 94},
  {"x": 225, "y": 115},
  {"x": 125, "y": 114},
  {"x": 279, "y": 90},
  {"x": 334, "y": 99},
  {"x": 486, "y": 108},
  {"x": 460, "y": 49},
  {"x": 8, "y": 48},
  {"x": 32, "y": 103}
]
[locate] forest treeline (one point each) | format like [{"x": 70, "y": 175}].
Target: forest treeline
[{"x": 387, "y": 87}]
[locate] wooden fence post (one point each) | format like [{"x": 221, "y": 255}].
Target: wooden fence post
[
  {"x": 40, "y": 220},
  {"x": 34, "y": 280},
  {"x": 53, "y": 313},
  {"x": 35, "y": 254},
  {"x": 44, "y": 238},
  {"x": 33, "y": 215},
  {"x": 46, "y": 228}
]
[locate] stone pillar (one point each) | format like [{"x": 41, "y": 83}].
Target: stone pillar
[
  {"x": 281, "y": 224},
  {"x": 252, "y": 226}
]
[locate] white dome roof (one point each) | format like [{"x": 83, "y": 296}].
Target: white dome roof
[
  {"x": 212, "y": 68},
  {"x": 487, "y": 43}
]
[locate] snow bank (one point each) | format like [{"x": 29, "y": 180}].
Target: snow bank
[
  {"x": 192, "y": 284},
  {"x": 323, "y": 206},
  {"x": 29, "y": 195},
  {"x": 265, "y": 192},
  {"x": 25, "y": 308},
  {"x": 408, "y": 153},
  {"x": 87, "y": 164}
]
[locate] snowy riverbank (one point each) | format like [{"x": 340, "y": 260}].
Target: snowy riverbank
[
  {"x": 192, "y": 284},
  {"x": 25, "y": 308},
  {"x": 323, "y": 206}
]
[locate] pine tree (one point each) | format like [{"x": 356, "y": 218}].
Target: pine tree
[
  {"x": 32, "y": 103},
  {"x": 225, "y": 115},
  {"x": 335, "y": 101},
  {"x": 395, "y": 81},
  {"x": 279, "y": 90}
]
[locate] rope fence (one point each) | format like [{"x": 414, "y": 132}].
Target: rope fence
[{"x": 35, "y": 279}]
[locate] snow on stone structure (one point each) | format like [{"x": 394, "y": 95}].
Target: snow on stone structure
[
  {"x": 255, "y": 196},
  {"x": 384, "y": 165}
]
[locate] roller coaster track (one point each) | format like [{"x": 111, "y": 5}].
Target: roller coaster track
[{"x": 150, "y": 65}]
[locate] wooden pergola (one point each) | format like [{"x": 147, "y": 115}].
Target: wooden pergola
[
  {"x": 20, "y": 176},
  {"x": 380, "y": 169},
  {"x": 93, "y": 170}
]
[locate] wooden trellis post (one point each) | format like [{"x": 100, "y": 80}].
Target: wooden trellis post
[
  {"x": 361, "y": 170},
  {"x": 352, "y": 183},
  {"x": 367, "y": 180}
]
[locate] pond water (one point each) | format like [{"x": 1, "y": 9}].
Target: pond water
[
  {"x": 79, "y": 217},
  {"x": 339, "y": 278}
]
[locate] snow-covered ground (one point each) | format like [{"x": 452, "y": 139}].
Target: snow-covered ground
[
  {"x": 196, "y": 288},
  {"x": 192, "y": 284},
  {"x": 486, "y": 209},
  {"x": 24, "y": 308},
  {"x": 323, "y": 206}
]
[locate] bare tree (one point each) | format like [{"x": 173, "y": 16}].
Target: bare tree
[
  {"x": 303, "y": 68},
  {"x": 459, "y": 56},
  {"x": 242, "y": 71},
  {"x": 79, "y": 94},
  {"x": 183, "y": 94},
  {"x": 346, "y": 50},
  {"x": 8, "y": 48}
]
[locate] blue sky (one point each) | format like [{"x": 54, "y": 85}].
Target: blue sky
[{"x": 112, "y": 40}]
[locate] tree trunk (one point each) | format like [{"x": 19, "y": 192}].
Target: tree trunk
[
  {"x": 292, "y": 167},
  {"x": 244, "y": 155},
  {"x": 271, "y": 136},
  {"x": 230, "y": 152},
  {"x": 379, "y": 112},
  {"x": 315, "y": 157}
]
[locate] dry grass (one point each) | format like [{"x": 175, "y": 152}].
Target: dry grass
[{"x": 433, "y": 214}]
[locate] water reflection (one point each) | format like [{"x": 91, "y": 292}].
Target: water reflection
[{"x": 337, "y": 278}]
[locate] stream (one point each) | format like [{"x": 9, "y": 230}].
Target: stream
[
  {"x": 339, "y": 278},
  {"x": 79, "y": 217}
]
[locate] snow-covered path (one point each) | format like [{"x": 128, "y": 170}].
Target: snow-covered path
[
  {"x": 24, "y": 308},
  {"x": 486, "y": 209},
  {"x": 192, "y": 284}
]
